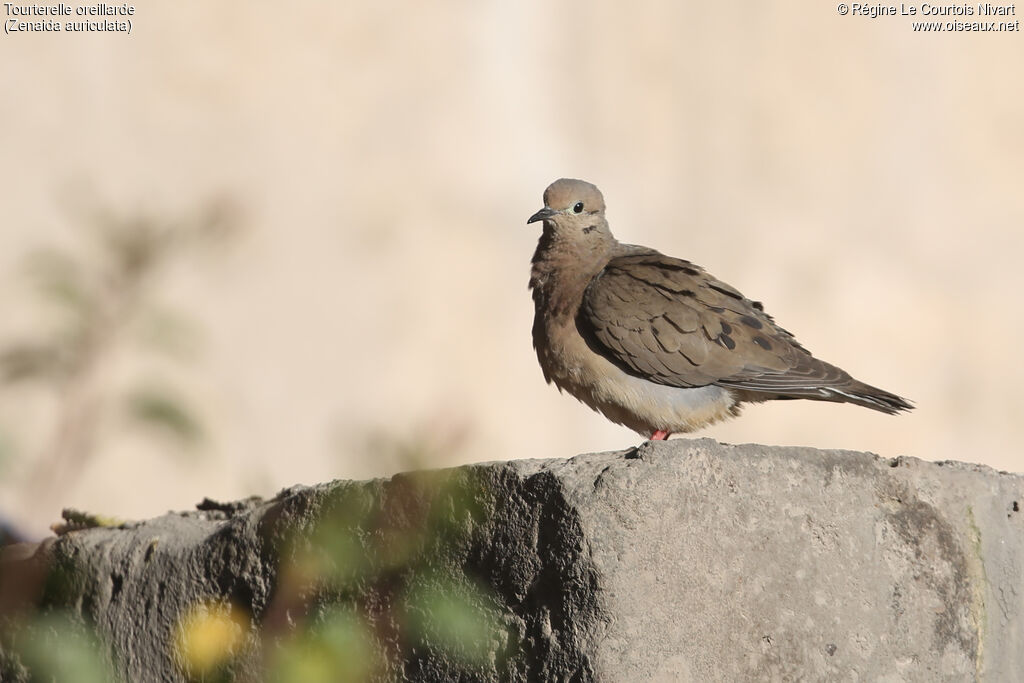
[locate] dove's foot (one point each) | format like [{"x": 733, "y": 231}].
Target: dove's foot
[{"x": 660, "y": 435}]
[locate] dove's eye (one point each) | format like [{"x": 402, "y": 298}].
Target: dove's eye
[{"x": 578, "y": 208}]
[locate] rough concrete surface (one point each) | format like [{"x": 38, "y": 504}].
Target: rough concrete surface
[{"x": 687, "y": 560}]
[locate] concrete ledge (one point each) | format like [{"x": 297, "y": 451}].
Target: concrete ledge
[{"x": 681, "y": 561}]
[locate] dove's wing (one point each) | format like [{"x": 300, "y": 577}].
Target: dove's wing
[{"x": 670, "y": 322}]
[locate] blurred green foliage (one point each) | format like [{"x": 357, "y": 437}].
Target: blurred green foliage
[
  {"x": 160, "y": 409},
  {"x": 451, "y": 616},
  {"x": 339, "y": 647},
  {"x": 385, "y": 565},
  {"x": 6, "y": 450},
  {"x": 53, "y": 648}
]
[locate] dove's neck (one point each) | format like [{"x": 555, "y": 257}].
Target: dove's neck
[{"x": 563, "y": 267}]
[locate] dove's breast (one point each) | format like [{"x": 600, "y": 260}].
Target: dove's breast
[{"x": 645, "y": 407}]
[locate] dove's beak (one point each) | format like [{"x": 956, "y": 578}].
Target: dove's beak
[{"x": 541, "y": 215}]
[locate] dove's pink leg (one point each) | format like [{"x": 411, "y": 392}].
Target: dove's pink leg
[{"x": 660, "y": 435}]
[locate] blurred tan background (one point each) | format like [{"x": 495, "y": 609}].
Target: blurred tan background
[{"x": 864, "y": 181}]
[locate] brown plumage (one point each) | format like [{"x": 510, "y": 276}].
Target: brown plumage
[{"x": 656, "y": 343}]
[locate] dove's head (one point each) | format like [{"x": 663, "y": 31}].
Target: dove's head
[{"x": 574, "y": 209}]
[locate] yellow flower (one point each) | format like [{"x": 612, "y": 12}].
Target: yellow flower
[{"x": 208, "y": 636}]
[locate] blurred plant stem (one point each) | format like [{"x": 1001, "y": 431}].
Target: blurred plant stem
[
  {"x": 73, "y": 439},
  {"x": 100, "y": 291}
]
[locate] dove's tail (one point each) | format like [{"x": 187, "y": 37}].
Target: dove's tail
[
  {"x": 853, "y": 391},
  {"x": 868, "y": 396},
  {"x": 843, "y": 389}
]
